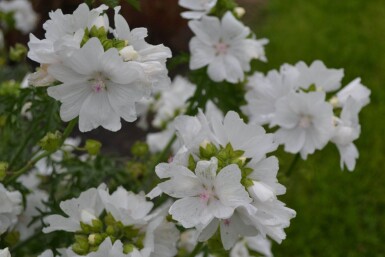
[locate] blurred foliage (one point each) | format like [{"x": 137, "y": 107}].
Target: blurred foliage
[{"x": 339, "y": 214}]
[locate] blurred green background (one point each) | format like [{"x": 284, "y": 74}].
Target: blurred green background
[{"x": 339, "y": 213}]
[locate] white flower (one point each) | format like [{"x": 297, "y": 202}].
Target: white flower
[
  {"x": 232, "y": 228},
  {"x": 172, "y": 101},
  {"x": 188, "y": 239},
  {"x": 347, "y": 130},
  {"x": 98, "y": 87},
  {"x": 10, "y": 208},
  {"x": 87, "y": 207},
  {"x": 317, "y": 74},
  {"x": 64, "y": 33},
  {"x": 161, "y": 238},
  {"x": 193, "y": 131},
  {"x": 23, "y": 14},
  {"x": 198, "y": 7},
  {"x": 157, "y": 141},
  {"x": 224, "y": 47},
  {"x": 258, "y": 244},
  {"x": 305, "y": 122},
  {"x": 127, "y": 207},
  {"x": 204, "y": 194},
  {"x": 152, "y": 58},
  {"x": 41, "y": 78},
  {"x": 34, "y": 202},
  {"x": 5, "y": 253},
  {"x": 357, "y": 91},
  {"x": 265, "y": 91}
]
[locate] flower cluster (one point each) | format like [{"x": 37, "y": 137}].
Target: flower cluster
[
  {"x": 103, "y": 71},
  {"x": 221, "y": 179},
  {"x": 21, "y": 14},
  {"x": 295, "y": 100},
  {"x": 117, "y": 224},
  {"x": 224, "y": 46},
  {"x": 10, "y": 208}
]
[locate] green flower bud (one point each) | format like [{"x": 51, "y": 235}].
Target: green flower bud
[
  {"x": 18, "y": 53},
  {"x": 80, "y": 248},
  {"x": 97, "y": 225},
  {"x": 139, "y": 149},
  {"x": 110, "y": 230},
  {"x": 10, "y": 88},
  {"x": 81, "y": 245},
  {"x": 95, "y": 239},
  {"x": 136, "y": 169},
  {"x": 127, "y": 248},
  {"x": 3, "y": 120},
  {"x": 12, "y": 238},
  {"x": 93, "y": 147},
  {"x": 3, "y": 170},
  {"x": 51, "y": 142}
]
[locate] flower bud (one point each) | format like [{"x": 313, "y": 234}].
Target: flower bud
[
  {"x": 139, "y": 149},
  {"x": 239, "y": 12},
  {"x": 127, "y": 248},
  {"x": 129, "y": 54},
  {"x": 18, "y": 53},
  {"x": 10, "y": 88},
  {"x": 51, "y": 142},
  {"x": 3, "y": 170},
  {"x": 93, "y": 147},
  {"x": 95, "y": 239}
]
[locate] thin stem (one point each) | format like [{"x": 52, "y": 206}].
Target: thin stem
[
  {"x": 292, "y": 165},
  {"x": 165, "y": 151},
  {"x": 31, "y": 163},
  {"x": 198, "y": 248},
  {"x": 26, "y": 167}
]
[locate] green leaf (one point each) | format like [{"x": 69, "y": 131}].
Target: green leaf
[
  {"x": 134, "y": 3},
  {"x": 111, "y": 3}
]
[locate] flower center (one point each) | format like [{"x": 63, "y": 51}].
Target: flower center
[
  {"x": 221, "y": 48},
  {"x": 98, "y": 85},
  {"x": 305, "y": 121},
  {"x": 205, "y": 195},
  {"x": 226, "y": 222}
]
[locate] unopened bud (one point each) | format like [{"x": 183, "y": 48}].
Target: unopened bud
[
  {"x": 10, "y": 88},
  {"x": 18, "y": 52},
  {"x": 51, "y": 142},
  {"x": 3, "y": 170},
  {"x": 335, "y": 102},
  {"x": 239, "y": 12},
  {"x": 127, "y": 248},
  {"x": 93, "y": 147},
  {"x": 129, "y": 54},
  {"x": 95, "y": 239},
  {"x": 139, "y": 149}
]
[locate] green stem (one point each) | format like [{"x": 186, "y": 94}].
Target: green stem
[
  {"x": 197, "y": 249},
  {"x": 31, "y": 163},
  {"x": 164, "y": 153},
  {"x": 292, "y": 165}
]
